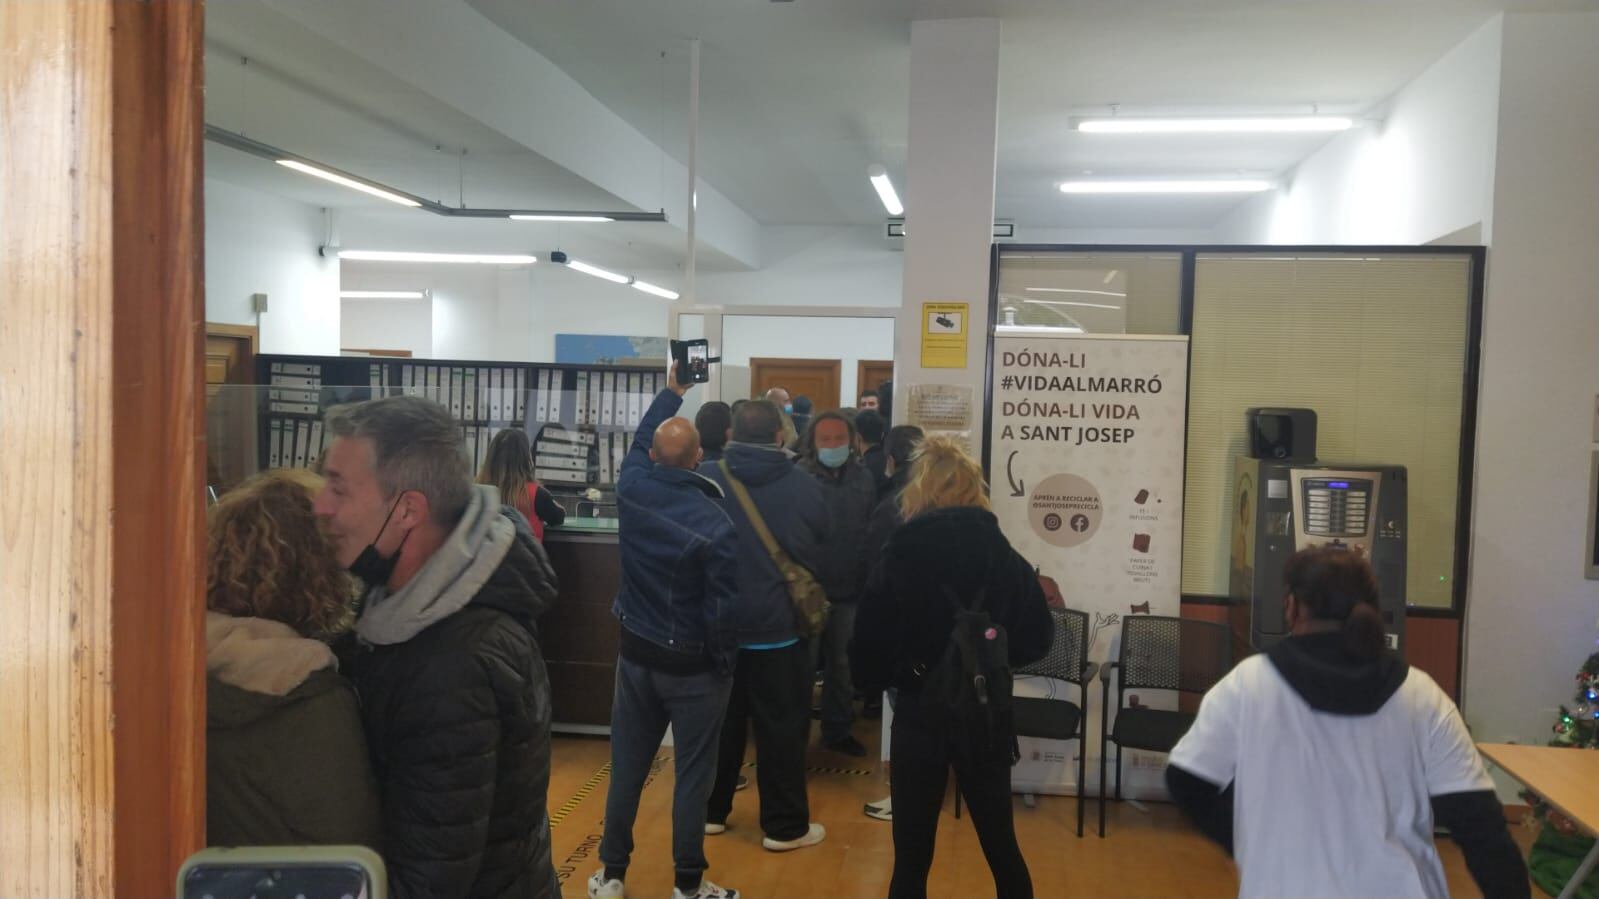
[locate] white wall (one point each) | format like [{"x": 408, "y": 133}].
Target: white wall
[
  {"x": 1532, "y": 617},
  {"x": 387, "y": 325},
  {"x": 849, "y": 340},
  {"x": 489, "y": 313},
  {"x": 1425, "y": 171},
  {"x": 260, "y": 243}
]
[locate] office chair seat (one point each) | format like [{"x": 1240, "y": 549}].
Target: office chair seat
[
  {"x": 1151, "y": 730},
  {"x": 1047, "y": 719}
]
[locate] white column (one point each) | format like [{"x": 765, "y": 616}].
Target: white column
[
  {"x": 949, "y": 197},
  {"x": 1531, "y": 616}
]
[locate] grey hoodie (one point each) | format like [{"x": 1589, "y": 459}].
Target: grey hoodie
[{"x": 448, "y": 580}]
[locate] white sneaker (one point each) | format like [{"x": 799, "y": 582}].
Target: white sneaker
[
  {"x": 707, "y": 890},
  {"x": 600, "y": 888},
  {"x": 815, "y": 835},
  {"x": 712, "y": 828},
  {"x": 882, "y": 810}
]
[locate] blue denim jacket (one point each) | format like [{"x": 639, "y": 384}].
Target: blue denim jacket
[{"x": 679, "y": 551}]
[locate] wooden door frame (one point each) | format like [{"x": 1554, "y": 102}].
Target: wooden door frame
[
  {"x": 860, "y": 374},
  {"x": 836, "y": 366},
  {"x": 242, "y": 332},
  {"x": 102, "y": 722}
]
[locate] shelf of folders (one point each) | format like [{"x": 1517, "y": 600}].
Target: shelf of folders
[{"x": 580, "y": 419}]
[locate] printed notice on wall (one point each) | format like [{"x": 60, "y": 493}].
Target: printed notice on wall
[
  {"x": 944, "y": 410},
  {"x": 1086, "y": 468},
  {"x": 944, "y": 327}
]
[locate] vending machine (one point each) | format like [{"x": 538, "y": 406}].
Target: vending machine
[{"x": 1282, "y": 507}]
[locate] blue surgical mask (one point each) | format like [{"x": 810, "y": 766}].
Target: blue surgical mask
[
  {"x": 789, "y": 408},
  {"x": 833, "y": 456}
]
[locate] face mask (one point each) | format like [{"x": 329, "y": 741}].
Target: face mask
[
  {"x": 789, "y": 408},
  {"x": 833, "y": 456},
  {"x": 371, "y": 566}
]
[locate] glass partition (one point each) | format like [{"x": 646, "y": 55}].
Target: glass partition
[
  {"x": 579, "y": 421},
  {"x": 1090, "y": 292}
]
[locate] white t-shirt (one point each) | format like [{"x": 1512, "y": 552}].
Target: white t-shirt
[{"x": 1325, "y": 804}]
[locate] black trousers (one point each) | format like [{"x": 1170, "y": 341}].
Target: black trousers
[
  {"x": 921, "y": 758},
  {"x": 772, "y": 691}
]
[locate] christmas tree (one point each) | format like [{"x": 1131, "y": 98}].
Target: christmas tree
[{"x": 1560, "y": 846}]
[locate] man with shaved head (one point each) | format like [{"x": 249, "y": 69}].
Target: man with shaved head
[{"x": 679, "y": 579}]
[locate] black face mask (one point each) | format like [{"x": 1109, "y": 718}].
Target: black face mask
[{"x": 371, "y": 566}]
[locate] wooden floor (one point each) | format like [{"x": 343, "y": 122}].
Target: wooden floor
[{"x": 1143, "y": 854}]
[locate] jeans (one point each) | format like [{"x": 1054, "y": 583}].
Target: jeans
[
  {"x": 645, "y": 702},
  {"x": 838, "y": 693},
  {"x": 771, "y": 689},
  {"x": 922, "y": 757}
]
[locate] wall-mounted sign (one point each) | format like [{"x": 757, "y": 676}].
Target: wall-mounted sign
[{"x": 944, "y": 329}]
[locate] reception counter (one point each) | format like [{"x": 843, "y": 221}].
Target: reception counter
[{"x": 579, "y": 635}]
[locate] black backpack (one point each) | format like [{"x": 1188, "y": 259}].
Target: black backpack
[{"x": 968, "y": 691}]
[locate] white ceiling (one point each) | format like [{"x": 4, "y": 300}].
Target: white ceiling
[{"x": 798, "y": 98}]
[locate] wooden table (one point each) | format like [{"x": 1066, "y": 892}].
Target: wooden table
[{"x": 1567, "y": 779}]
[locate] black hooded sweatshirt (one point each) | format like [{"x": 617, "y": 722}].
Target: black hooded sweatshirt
[{"x": 1331, "y": 680}]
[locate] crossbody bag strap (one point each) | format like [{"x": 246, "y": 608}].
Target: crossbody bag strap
[{"x": 754, "y": 514}]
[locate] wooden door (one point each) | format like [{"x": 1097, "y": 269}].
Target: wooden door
[
  {"x": 230, "y": 404},
  {"x": 814, "y": 378},
  {"x": 869, "y": 373}
]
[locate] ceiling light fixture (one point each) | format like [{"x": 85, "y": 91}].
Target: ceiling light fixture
[
  {"x": 1069, "y": 303},
  {"x": 560, "y": 217},
  {"x": 347, "y": 181},
  {"x": 1215, "y": 186},
  {"x": 1035, "y": 330},
  {"x": 652, "y": 289},
  {"x": 596, "y": 271},
  {"x": 448, "y": 258},
  {"x": 317, "y": 169},
  {"x": 381, "y": 294},
  {"x": 885, "y": 190},
  {"x": 1102, "y": 293},
  {"x": 1250, "y": 125}
]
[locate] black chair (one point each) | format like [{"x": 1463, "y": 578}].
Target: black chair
[
  {"x": 1056, "y": 718},
  {"x": 1157, "y": 653}
]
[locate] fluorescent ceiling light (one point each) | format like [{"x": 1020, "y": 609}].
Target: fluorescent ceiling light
[
  {"x": 556, "y": 217},
  {"x": 885, "y": 190},
  {"x": 1070, "y": 303},
  {"x": 597, "y": 272},
  {"x": 1256, "y": 125},
  {"x": 1036, "y": 330},
  {"x": 346, "y": 181},
  {"x": 400, "y": 256},
  {"x": 381, "y": 294},
  {"x": 1102, "y": 293},
  {"x": 649, "y": 288},
  {"x": 1236, "y": 186}
]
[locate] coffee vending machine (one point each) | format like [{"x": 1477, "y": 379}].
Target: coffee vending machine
[{"x": 1281, "y": 507}]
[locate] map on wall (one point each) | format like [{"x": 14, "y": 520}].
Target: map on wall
[{"x": 605, "y": 349}]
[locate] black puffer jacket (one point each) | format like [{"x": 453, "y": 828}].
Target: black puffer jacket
[
  {"x": 850, "y": 494},
  {"x": 905, "y": 616},
  {"x": 458, "y": 718}
]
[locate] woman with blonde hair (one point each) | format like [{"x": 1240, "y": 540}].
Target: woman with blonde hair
[
  {"x": 948, "y": 560},
  {"x": 286, "y": 758}
]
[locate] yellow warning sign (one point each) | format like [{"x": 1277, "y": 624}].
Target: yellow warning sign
[{"x": 944, "y": 327}]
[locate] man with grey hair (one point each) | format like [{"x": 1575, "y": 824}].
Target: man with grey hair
[{"x": 445, "y": 656}]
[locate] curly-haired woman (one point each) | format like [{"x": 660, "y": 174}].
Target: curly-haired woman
[{"x": 286, "y": 759}]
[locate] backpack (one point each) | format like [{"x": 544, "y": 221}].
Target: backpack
[
  {"x": 968, "y": 691},
  {"x": 805, "y": 593}
]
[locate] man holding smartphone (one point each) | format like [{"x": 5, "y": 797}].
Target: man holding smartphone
[{"x": 679, "y": 578}]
